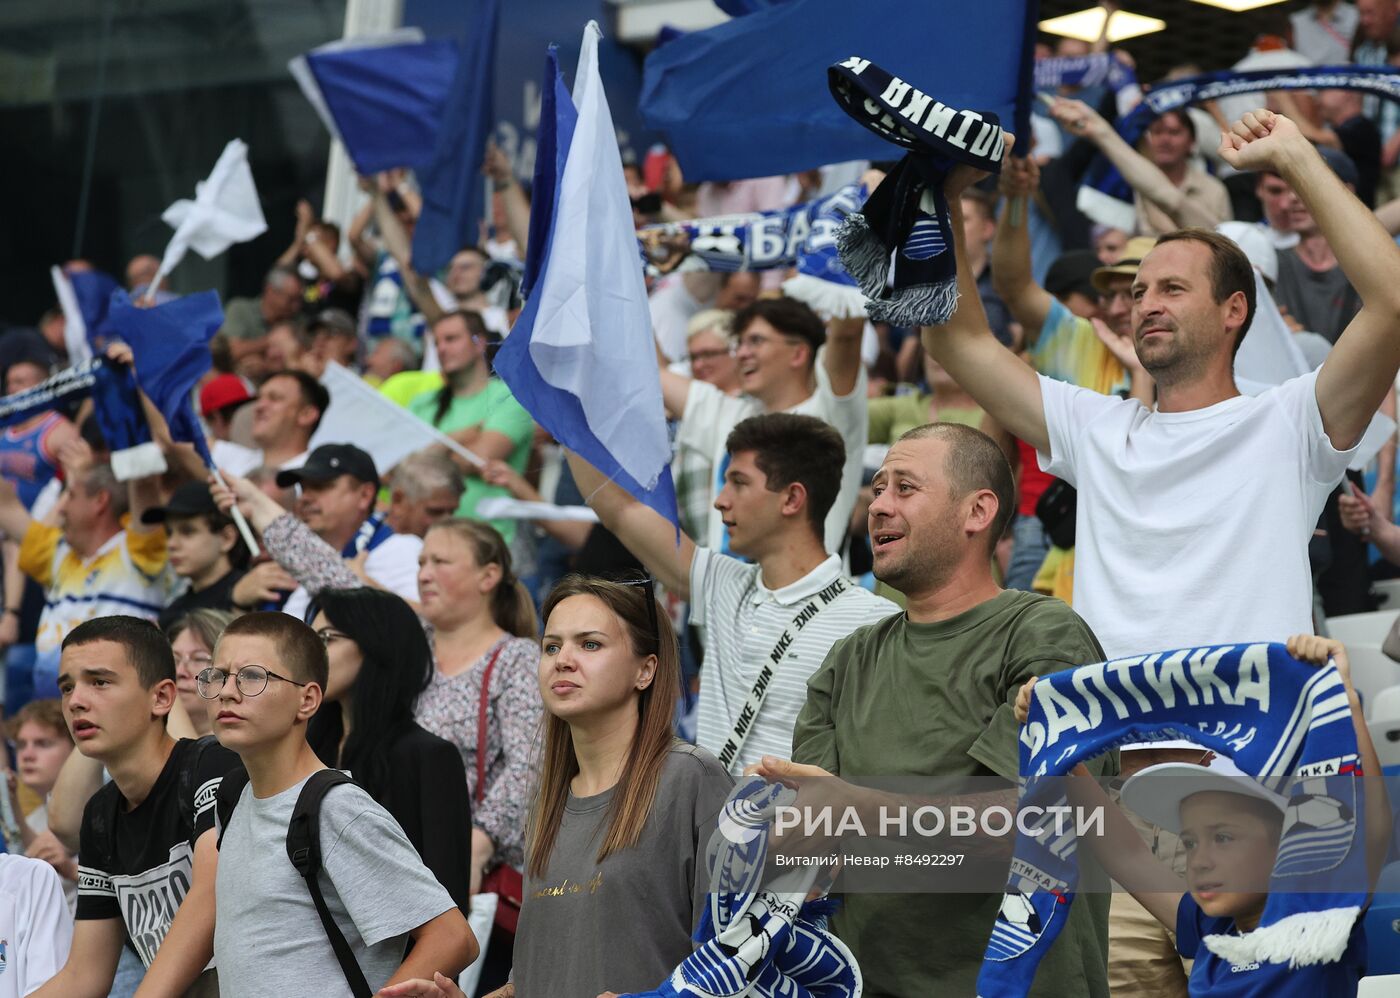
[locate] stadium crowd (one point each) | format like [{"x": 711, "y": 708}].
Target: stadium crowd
[{"x": 885, "y": 533}]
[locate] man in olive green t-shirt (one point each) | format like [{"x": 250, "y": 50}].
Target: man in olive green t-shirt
[{"x": 929, "y": 693}]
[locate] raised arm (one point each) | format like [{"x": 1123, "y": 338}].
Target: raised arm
[
  {"x": 1361, "y": 367},
  {"x": 1030, "y": 304},
  {"x": 842, "y": 354},
  {"x": 503, "y": 182},
  {"x": 1140, "y": 172},
  {"x": 645, "y": 532},
  {"x": 14, "y": 518},
  {"x": 966, "y": 348}
]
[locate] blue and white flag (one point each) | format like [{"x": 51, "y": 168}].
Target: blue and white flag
[
  {"x": 170, "y": 347},
  {"x": 454, "y": 199},
  {"x": 382, "y": 96},
  {"x": 580, "y": 357},
  {"x": 84, "y": 296}
]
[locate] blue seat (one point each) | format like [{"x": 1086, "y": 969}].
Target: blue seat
[{"x": 1383, "y": 924}]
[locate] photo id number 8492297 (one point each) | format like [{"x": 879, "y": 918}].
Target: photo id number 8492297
[{"x": 928, "y": 859}]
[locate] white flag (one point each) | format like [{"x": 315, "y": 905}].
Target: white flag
[
  {"x": 388, "y": 432},
  {"x": 225, "y": 210}
]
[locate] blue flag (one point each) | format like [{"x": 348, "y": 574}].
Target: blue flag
[
  {"x": 579, "y": 356},
  {"x": 383, "y": 100},
  {"x": 453, "y": 188},
  {"x": 170, "y": 344},
  {"x": 749, "y": 97}
]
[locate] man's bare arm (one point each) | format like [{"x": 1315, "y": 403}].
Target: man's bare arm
[
  {"x": 1029, "y": 303},
  {"x": 644, "y": 531},
  {"x": 966, "y": 348},
  {"x": 1362, "y": 366}
]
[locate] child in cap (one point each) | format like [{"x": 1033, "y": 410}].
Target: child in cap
[{"x": 1230, "y": 826}]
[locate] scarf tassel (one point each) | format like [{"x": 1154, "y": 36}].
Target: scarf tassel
[
  {"x": 1300, "y": 940},
  {"x": 867, "y": 260}
]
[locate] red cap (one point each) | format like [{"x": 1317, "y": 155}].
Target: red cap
[{"x": 222, "y": 390}]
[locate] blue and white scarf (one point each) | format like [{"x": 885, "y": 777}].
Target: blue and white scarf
[
  {"x": 116, "y": 406},
  {"x": 756, "y": 941},
  {"x": 1284, "y": 723},
  {"x": 899, "y": 247},
  {"x": 1106, "y": 197},
  {"x": 803, "y": 236},
  {"x": 1100, "y": 68}
]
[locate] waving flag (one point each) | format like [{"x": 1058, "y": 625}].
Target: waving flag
[
  {"x": 225, "y": 210},
  {"x": 580, "y": 356},
  {"x": 453, "y": 191},
  {"x": 84, "y": 296},
  {"x": 170, "y": 345},
  {"x": 382, "y": 96},
  {"x": 713, "y": 92}
]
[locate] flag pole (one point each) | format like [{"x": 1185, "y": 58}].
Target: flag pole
[{"x": 239, "y": 520}]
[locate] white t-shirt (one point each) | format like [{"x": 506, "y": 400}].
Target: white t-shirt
[
  {"x": 1192, "y": 528},
  {"x": 35, "y": 925},
  {"x": 239, "y": 460},
  {"x": 743, "y": 620},
  {"x": 393, "y": 564},
  {"x": 672, "y": 307},
  {"x": 710, "y": 415}
]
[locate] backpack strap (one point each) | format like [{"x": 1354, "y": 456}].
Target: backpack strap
[
  {"x": 230, "y": 789},
  {"x": 304, "y": 850}
]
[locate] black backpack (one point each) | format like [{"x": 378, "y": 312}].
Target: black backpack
[{"x": 304, "y": 850}]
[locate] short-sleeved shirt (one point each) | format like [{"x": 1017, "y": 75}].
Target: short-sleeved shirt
[
  {"x": 493, "y": 408},
  {"x": 1323, "y": 301},
  {"x": 268, "y": 939},
  {"x": 126, "y": 575},
  {"x": 137, "y": 865},
  {"x": 1200, "y": 187},
  {"x": 935, "y": 700},
  {"x": 34, "y": 923},
  {"x": 743, "y": 621},
  {"x": 1192, "y": 528},
  {"x": 622, "y": 924},
  {"x": 1214, "y": 977},
  {"x": 894, "y": 415},
  {"x": 1068, "y": 349},
  {"x": 710, "y": 415}
]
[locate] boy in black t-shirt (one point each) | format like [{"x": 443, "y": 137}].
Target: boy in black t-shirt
[{"x": 146, "y": 855}]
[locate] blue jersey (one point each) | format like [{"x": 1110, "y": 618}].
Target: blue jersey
[
  {"x": 26, "y": 460},
  {"x": 1213, "y": 977}
]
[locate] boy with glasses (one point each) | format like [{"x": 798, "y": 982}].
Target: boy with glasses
[
  {"x": 146, "y": 854},
  {"x": 266, "y": 682}
]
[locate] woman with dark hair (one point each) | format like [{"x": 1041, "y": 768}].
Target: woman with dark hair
[{"x": 380, "y": 663}]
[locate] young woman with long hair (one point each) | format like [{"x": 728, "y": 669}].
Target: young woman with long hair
[
  {"x": 380, "y": 664},
  {"x": 622, "y": 809}
]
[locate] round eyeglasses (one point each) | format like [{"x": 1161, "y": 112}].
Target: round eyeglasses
[{"x": 250, "y": 680}]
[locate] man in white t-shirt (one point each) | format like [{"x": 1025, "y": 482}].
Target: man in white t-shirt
[
  {"x": 287, "y": 411},
  {"x": 1193, "y": 518},
  {"x": 787, "y": 363},
  {"x": 783, "y": 612}
]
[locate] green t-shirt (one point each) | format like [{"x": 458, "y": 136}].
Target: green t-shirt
[
  {"x": 891, "y": 416},
  {"x": 935, "y": 700},
  {"x": 493, "y": 408}
]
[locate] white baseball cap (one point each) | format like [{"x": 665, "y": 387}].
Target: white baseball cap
[
  {"x": 1251, "y": 238},
  {"x": 1156, "y": 792}
]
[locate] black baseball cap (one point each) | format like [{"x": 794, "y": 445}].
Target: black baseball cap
[
  {"x": 331, "y": 461},
  {"x": 190, "y": 499},
  {"x": 1073, "y": 272}
]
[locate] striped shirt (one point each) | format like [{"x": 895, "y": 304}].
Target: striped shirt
[
  {"x": 743, "y": 621},
  {"x": 126, "y": 575}
]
